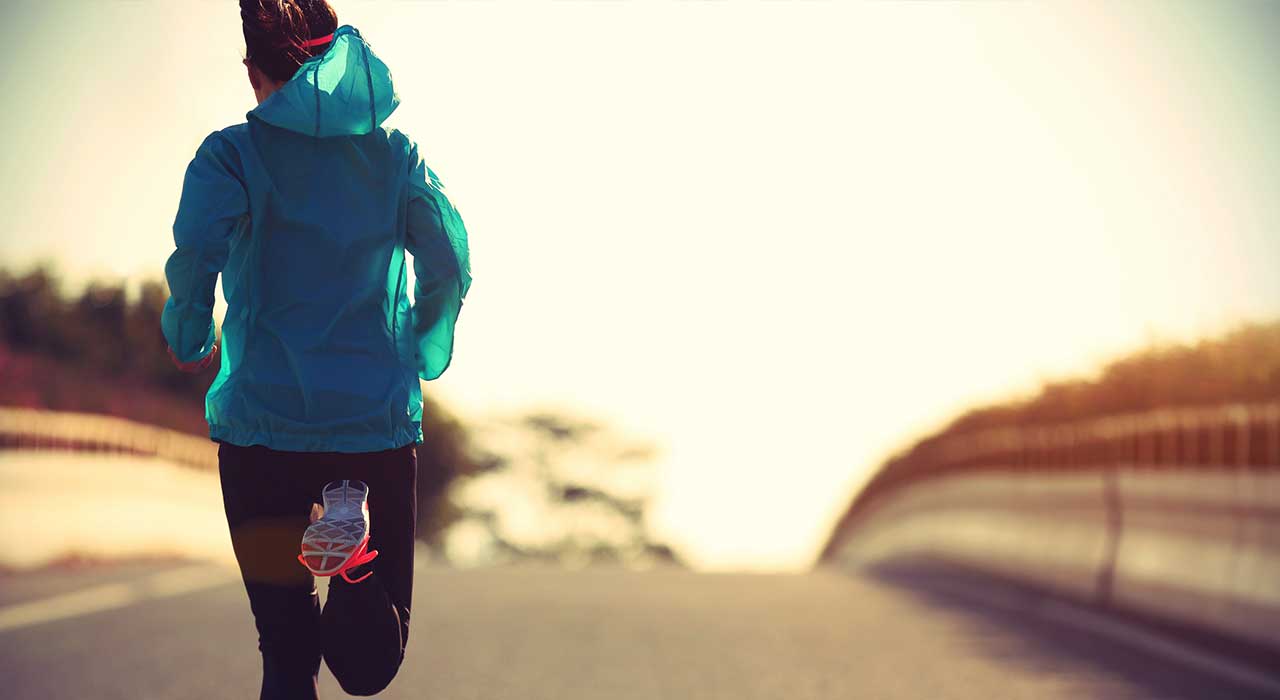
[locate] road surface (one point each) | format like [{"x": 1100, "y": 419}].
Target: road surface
[{"x": 180, "y": 630}]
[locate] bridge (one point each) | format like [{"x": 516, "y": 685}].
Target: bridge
[{"x": 1133, "y": 557}]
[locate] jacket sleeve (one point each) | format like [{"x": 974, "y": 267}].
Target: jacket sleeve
[
  {"x": 437, "y": 240},
  {"x": 212, "y": 202}
]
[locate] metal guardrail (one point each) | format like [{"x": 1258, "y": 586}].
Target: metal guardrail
[
  {"x": 1172, "y": 514},
  {"x": 1236, "y": 435},
  {"x": 28, "y": 428},
  {"x": 1232, "y": 434}
]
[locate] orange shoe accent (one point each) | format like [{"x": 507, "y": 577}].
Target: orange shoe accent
[
  {"x": 361, "y": 555},
  {"x": 358, "y": 557}
]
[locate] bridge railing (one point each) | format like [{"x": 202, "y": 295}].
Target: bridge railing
[
  {"x": 1172, "y": 514},
  {"x": 28, "y": 428}
]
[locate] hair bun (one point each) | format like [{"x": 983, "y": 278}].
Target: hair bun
[{"x": 275, "y": 30}]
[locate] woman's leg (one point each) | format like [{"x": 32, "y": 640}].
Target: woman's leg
[
  {"x": 268, "y": 509},
  {"x": 364, "y": 628}
]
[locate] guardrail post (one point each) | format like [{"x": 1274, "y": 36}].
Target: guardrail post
[{"x": 1114, "y": 513}]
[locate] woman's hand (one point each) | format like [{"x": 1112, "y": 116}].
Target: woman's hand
[{"x": 195, "y": 365}]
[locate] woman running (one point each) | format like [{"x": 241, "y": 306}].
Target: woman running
[{"x": 306, "y": 210}]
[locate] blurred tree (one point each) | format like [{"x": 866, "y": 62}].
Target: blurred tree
[
  {"x": 445, "y": 455},
  {"x": 32, "y": 311},
  {"x": 96, "y": 328},
  {"x": 556, "y": 487}
]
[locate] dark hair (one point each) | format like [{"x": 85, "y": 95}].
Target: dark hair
[{"x": 274, "y": 31}]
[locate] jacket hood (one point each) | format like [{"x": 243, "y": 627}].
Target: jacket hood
[{"x": 345, "y": 91}]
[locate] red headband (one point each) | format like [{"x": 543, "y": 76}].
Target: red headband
[{"x": 317, "y": 41}]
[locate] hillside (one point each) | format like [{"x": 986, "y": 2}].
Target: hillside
[
  {"x": 1242, "y": 366},
  {"x": 38, "y": 381}
]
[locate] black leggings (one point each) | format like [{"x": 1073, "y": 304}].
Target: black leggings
[{"x": 363, "y": 630}]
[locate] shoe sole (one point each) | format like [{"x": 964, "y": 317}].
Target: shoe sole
[{"x": 330, "y": 542}]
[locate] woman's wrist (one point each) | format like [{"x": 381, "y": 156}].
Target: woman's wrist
[{"x": 195, "y": 365}]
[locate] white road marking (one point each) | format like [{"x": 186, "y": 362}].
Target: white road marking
[{"x": 111, "y": 596}]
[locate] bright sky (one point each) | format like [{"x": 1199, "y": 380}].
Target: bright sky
[{"x": 780, "y": 238}]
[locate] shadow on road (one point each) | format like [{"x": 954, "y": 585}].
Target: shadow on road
[{"x": 1029, "y": 628}]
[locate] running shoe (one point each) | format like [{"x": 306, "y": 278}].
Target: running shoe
[{"x": 338, "y": 541}]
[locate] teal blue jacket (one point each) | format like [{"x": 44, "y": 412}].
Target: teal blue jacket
[{"x": 306, "y": 210}]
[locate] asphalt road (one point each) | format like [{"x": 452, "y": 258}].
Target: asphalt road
[{"x": 183, "y": 631}]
